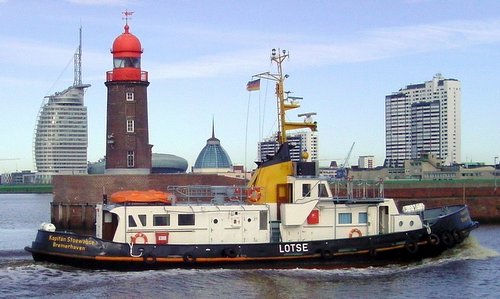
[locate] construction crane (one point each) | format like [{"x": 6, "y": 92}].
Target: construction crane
[{"x": 342, "y": 171}]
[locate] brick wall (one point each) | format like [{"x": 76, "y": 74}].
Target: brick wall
[{"x": 75, "y": 196}]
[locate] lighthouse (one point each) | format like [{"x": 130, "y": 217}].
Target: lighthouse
[{"x": 127, "y": 139}]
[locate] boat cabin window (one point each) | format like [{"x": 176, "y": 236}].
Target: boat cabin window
[
  {"x": 185, "y": 219},
  {"x": 263, "y": 220},
  {"x": 363, "y": 217},
  {"x": 345, "y": 218},
  {"x": 322, "y": 192},
  {"x": 306, "y": 190},
  {"x": 131, "y": 221},
  {"x": 142, "y": 219},
  {"x": 161, "y": 220}
]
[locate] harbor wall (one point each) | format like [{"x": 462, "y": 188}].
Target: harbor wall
[
  {"x": 482, "y": 197},
  {"x": 75, "y": 196}
]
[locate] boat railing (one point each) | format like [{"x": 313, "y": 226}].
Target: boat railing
[
  {"x": 202, "y": 194},
  {"x": 357, "y": 190}
]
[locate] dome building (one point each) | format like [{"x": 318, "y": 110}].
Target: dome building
[
  {"x": 213, "y": 158},
  {"x": 161, "y": 163}
]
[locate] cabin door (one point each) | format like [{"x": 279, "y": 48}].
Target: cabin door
[
  {"x": 383, "y": 220},
  {"x": 216, "y": 230},
  {"x": 283, "y": 192},
  {"x": 372, "y": 220}
]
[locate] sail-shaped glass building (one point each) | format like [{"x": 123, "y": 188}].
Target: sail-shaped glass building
[{"x": 60, "y": 137}]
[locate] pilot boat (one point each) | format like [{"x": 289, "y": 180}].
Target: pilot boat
[{"x": 286, "y": 216}]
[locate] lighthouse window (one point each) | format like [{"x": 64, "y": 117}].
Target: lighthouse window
[
  {"x": 130, "y": 158},
  {"x": 123, "y": 62},
  {"x": 129, "y": 96},
  {"x": 130, "y": 126}
]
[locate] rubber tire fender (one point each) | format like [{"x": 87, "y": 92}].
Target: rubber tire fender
[
  {"x": 447, "y": 239},
  {"x": 411, "y": 246},
  {"x": 457, "y": 236},
  {"x": 433, "y": 239},
  {"x": 150, "y": 259},
  {"x": 230, "y": 252},
  {"x": 188, "y": 258}
]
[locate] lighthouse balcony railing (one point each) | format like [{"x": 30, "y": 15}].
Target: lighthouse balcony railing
[{"x": 110, "y": 77}]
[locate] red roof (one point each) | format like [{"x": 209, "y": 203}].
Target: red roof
[{"x": 126, "y": 45}]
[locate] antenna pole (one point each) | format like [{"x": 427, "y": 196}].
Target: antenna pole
[
  {"x": 283, "y": 103},
  {"x": 78, "y": 63}
]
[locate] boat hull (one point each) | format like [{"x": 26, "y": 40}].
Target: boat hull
[{"x": 89, "y": 252}]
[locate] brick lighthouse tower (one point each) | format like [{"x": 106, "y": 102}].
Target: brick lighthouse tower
[{"x": 127, "y": 144}]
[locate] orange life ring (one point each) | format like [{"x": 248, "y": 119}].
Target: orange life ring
[
  {"x": 253, "y": 194},
  {"x": 139, "y": 235},
  {"x": 355, "y": 230}
]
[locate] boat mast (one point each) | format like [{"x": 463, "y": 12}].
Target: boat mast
[{"x": 285, "y": 103}]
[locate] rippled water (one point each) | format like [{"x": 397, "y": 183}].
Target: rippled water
[{"x": 469, "y": 271}]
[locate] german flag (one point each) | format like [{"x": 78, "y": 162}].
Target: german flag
[{"x": 253, "y": 85}]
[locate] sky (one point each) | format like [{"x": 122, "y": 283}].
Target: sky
[{"x": 345, "y": 57}]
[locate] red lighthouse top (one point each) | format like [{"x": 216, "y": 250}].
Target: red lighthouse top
[
  {"x": 127, "y": 51},
  {"x": 126, "y": 45}
]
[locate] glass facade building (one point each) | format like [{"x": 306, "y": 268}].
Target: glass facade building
[{"x": 213, "y": 158}]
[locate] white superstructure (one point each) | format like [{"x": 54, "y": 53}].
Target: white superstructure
[{"x": 424, "y": 118}]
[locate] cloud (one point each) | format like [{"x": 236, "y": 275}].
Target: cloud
[
  {"x": 377, "y": 44},
  {"x": 246, "y": 55},
  {"x": 102, "y": 2},
  {"x": 385, "y": 43},
  {"x": 32, "y": 52}
]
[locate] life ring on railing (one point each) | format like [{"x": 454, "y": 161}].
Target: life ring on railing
[
  {"x": 355, "y": 230},
  {"x": 139, "y": 235},
  {"x": 236, "y": 194},
  {"x": 253, "y": 194}
]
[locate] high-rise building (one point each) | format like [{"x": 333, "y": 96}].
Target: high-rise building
[
  {"x": 302, "y": 141},
  {"x": 366, "y": 162},
  {"x": 60, "y": 137},
  {"x": 127, "y": 143},
  {"x": 422, "y": 119}
]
